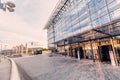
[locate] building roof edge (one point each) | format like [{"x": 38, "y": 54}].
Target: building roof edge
[{"x": 55, "y": 11}]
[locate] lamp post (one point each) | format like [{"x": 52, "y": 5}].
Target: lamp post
[
  {"x": 6, "y": 50},
  {"x": 0, "y": 50},
  {"x": 1, "y": 46},
  {"x": 26, "y": 47}
]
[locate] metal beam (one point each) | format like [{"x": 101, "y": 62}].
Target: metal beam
[
  {"x": 60, "y": 10},
  {"x": 105, "y": 33},
  {"x": 101, "y": 32}
]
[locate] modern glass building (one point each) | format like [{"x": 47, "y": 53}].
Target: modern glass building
[{"x": 87, "y": 29}]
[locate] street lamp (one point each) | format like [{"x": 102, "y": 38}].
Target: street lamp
[
  {"x": 8, "y": 5},
  {"x": 5, "y": 50},
  {"x": 1, "y": 47}
]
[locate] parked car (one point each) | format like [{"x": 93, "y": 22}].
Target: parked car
[{"x": 38, "y": 52}]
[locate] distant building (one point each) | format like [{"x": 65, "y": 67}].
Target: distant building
[
  {"x": 87, "y": 29},
  {"x": 30, "y": 51},
  {"x": 7, "y": 52}
]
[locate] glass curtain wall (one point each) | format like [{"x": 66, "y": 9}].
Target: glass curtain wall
[
  {"x": 81, "y": 15},
  {"x": 50, "y": 36}
]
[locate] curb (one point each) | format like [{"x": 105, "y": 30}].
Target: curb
[{"x": 14, "y": 75}]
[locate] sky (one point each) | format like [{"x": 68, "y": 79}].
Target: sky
[{"x": 26, "y": 24}]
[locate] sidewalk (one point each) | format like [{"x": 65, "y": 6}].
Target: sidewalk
[{"x": 4, "y": 70}]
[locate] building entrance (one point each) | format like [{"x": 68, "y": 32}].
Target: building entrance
[
  {"x": 75, "y": 53},
  {"x": 118, "y": 54},
  {"x": 81, "y": 53},
  {"x": 104, "y": 53}
]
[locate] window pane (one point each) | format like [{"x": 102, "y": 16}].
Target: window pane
[
  {"x": 109, "y": 1},
  {"x": 115, "y": 14}
]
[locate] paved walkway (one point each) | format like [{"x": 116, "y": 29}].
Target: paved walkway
[
  {"x": 44, "y": 67},
  {"x": 5, "y": 70}
]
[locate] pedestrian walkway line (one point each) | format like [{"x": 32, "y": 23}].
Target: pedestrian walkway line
[{"x": 100, "y": 71}]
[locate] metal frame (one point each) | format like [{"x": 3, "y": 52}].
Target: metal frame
[{"x": 57, "y": 12}]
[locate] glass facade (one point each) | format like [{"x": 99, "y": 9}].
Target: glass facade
[{"x": 77, "y": 16}]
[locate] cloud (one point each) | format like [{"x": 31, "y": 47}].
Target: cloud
[{"x": 27, "y": 22}]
